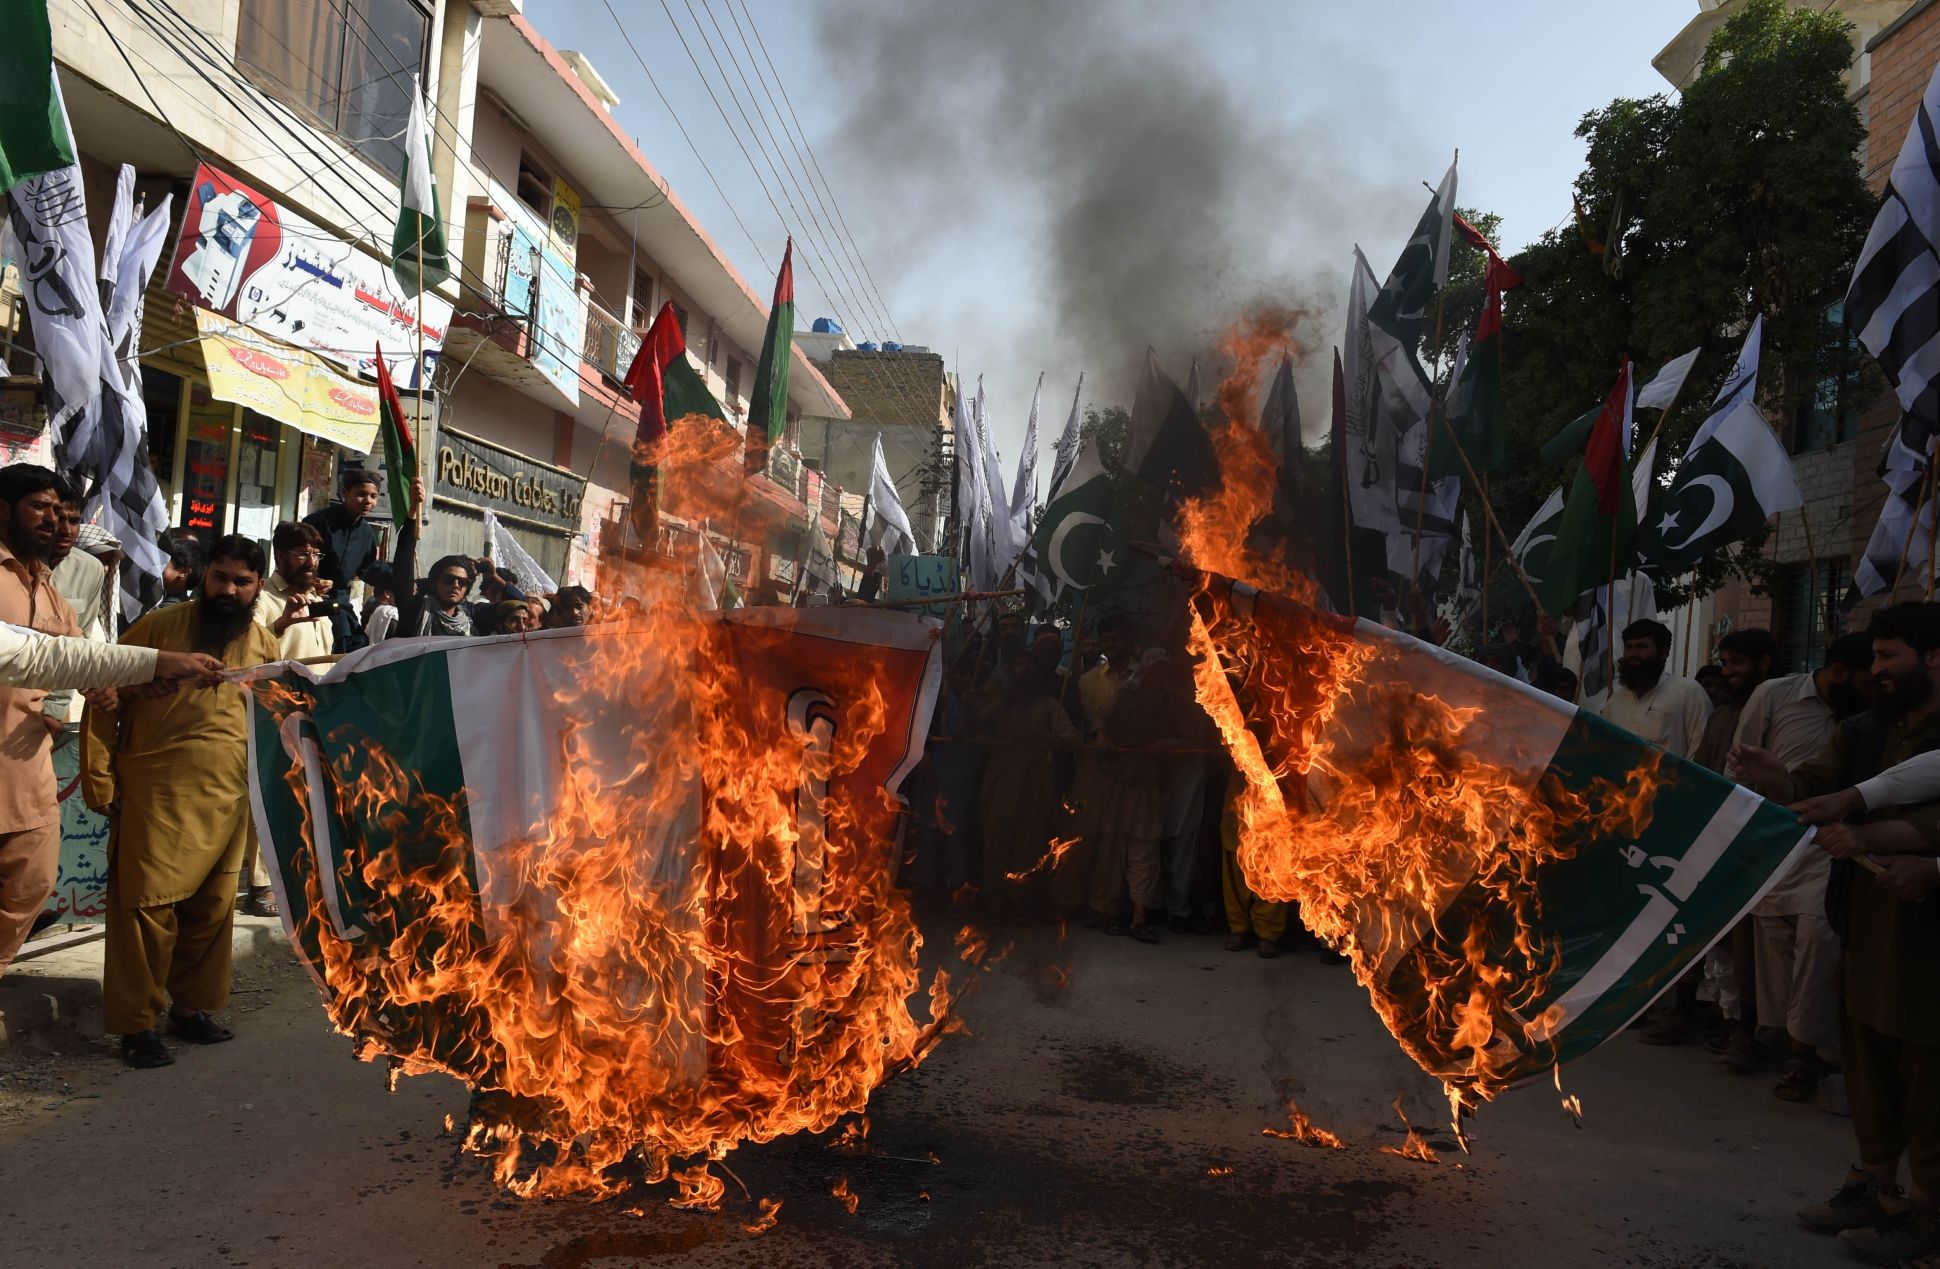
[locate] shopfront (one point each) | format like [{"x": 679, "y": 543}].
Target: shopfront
[{"x": 535, "y": 503}]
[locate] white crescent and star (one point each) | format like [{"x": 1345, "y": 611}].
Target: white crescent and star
[
  {"x": 1530, "y": 549},
  {"x": 1056, "y": 547},
  {"x": 1723, "y": 502}
]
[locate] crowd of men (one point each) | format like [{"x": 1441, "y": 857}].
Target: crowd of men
[{"x": 1069, "y": 775}]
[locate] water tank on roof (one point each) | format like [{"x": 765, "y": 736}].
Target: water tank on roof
[
  {"x": 890, "y": 345},
  {"x": 867, "y": 345},
  {"x": 826, "y": 326}
]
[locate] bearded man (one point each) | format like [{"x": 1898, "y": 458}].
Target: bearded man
[
  {"x": 169, "y": 768},
  {"x": 30, "y": 818},
  {"x": 1885, "y": 915},
  {"x": 1663, "y": 709}
]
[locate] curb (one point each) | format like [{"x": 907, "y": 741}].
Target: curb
[{"x": 60, "y": 992}]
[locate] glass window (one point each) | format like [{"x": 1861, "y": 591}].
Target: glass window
[
  {"x": 161, "y": 393},
  {"x": 256, "y": 509},
  {"x": 1807, "y": 612},
  {"x": 641, "y": 302},
  {"x": 344, "y": 64},
  {"x": 1826, "y": 417}
]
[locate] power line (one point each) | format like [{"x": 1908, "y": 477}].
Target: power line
[
  {"x": 778, "y": 162},
  {"x": 816, "y": 163}
]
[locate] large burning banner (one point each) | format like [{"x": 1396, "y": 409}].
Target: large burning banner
[
  {"x": 633, "y": 883},
  {"x": 1514, "y": 878}
]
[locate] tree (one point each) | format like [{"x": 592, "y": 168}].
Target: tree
[{"x": 1744, "y": 196}]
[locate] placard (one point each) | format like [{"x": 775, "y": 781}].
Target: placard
[{"x": 919, "y": 577}]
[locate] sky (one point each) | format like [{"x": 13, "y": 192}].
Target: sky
[{"x": 1053, "y": 188}]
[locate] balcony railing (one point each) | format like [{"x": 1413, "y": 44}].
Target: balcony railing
[{"x": 610, "y": 343}]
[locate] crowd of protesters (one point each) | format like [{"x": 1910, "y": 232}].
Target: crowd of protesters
[{"x": 1070, "y": 775}]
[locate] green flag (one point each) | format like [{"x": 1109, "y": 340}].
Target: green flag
[
  {"x": 1082, "y": 536},
  {"x": 418, "y": 257},
  {"x": 1596, "y": 540},
  {"x": 1476, "y": 416},
  {"x": 768, "y": 406},
  {"x": 33, "y": 127},
  {"x": 1727, "y": 486}
]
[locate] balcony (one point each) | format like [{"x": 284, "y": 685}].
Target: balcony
[{"x": 610, "y": 343}]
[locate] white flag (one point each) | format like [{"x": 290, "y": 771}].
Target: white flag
[
  {"x": 1740, "y": 386},
  {"x": 1369, "y": 461},
  {"x": 1667, "y": 382},
  {"x": 505, "y": 551},
  {"x": 892, "y": 531},
  {"x": 1022, "y": 488},
  {"x": 1067, "y": 444}
]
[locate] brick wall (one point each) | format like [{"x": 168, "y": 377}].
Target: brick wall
[{"x": 1903, "y": 62}]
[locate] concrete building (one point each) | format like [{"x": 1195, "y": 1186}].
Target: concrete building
[
  {"x": 902, "y": 393},
  {"x": 287, "y": 119}
]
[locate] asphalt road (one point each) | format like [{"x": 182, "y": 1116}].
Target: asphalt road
[{"x": 1114, "y": 1121}]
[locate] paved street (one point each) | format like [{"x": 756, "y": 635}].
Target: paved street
[{"x": 1116, "y": 1121}]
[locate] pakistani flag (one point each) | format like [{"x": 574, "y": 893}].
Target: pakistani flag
[
  {"x": 768, "y": 401},
  {"x": 1533, "y": 546},
  {"x": 33, "y": 127},
  {"x": 418, "y": 257},
  {"x": 1401, "y": 309},
  {"x": 1616, "y": 864},
  {"x": 1081, "y": 538},
  {"x": 400, "y": 455},
  {"x": 1729, "y": 484}
]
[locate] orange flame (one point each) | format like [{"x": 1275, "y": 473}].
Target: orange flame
[
  {"x": 1302, "y": 1129},
  {"x": 614, "y": 995},
  {"x": 1219, "y": 1170},
  {"x": 767, "y": 1220},
  {"x": 1370, "y": 801},
  {"x": 846, "y": 1196},
  {"x": 1415, "y": 1147}
]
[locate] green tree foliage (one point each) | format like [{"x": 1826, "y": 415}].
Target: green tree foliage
[{"x": 1743, "y": 196}]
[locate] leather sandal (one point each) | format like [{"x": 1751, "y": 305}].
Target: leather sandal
[
  {"x": 145, "y": 1051},
  {"x": 199, "y": 1028}
]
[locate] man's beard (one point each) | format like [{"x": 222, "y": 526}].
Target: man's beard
[
  {"x": 304, "y": 580},
  {"x": 1640, "y": 676},
  {"x": 31, "y": 546},
  {"x": 219, "y": 622},
  {"x": 1906, "y": 691}
]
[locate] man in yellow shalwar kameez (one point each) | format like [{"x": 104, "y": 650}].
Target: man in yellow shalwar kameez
[{"x": 169, "y": 769}]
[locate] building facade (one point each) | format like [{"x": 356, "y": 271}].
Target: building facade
[{"x": 276, "y": 129}]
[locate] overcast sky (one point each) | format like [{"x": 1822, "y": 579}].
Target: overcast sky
[{"x": 1054, "y": 187}]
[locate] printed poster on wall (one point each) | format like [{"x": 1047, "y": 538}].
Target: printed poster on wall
[
  {"x": 244, "y": 256},
  {"x": 81, "y": 886},
  {"x": 559, "y": 324},
  {"x": 286, "y": 384}
]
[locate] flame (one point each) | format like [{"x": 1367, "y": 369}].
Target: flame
[
  {"x": 1302, "y": 1129},
  {"x": 614, "y": 996},
  {"x": 1059, "y": 848},
  {"x": 846, "y": 1196},
  {"x": 769, "y": 1217},
  {"x": 1219, "y": 1170},
  {"x": 1404, "y": 826},
  {"x": 1415, "y": 1147}
]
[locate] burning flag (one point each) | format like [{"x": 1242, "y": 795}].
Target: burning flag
[
  {"x": 1514, "y": 879},
  {"x": 631, "y": 882}
]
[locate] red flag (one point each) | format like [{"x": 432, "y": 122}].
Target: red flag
[
  {"x": 1498, "y": 278},
  {"x": 1603, "y": 459},
  {"x": 400, "y": 455},
  {"x": 646, "y": 378}
]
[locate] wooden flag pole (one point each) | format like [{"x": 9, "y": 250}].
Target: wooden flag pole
[
  {"x": 1912, "y": 525},
  {"x": 417, "y": 318}
]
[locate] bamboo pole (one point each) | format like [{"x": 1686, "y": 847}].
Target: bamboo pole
[{"x": 1906, "y": 547}]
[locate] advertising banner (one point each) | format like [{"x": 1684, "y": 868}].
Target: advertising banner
[
  {"x": 287, "y": 384},
  {"x": 246, "y": 257},
  {"x": 541, "y": 284}
]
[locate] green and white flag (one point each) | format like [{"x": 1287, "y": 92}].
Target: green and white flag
[
  {"x": 33, "y": 127},
  {"x": 1578, "y": 870},
  {"x": 1081, "y": 537},
  {"x": 418, "y": 257},
  {"x": 1728, "y": 485}
]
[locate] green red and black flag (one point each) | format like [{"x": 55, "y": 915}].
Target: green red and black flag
[
  {"x": 1476, "y": 415},
  {"x": 400, "y": 454},
  {"x": 768, "y": 408}
]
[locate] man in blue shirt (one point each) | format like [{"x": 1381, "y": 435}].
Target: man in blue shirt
[{"x": 350, "y": 549}]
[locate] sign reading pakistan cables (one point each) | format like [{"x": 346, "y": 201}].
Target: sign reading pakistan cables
[{"x": 484, "y": 475}]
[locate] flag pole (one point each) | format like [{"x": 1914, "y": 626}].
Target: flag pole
[
  {"x": 1485, "y": 570},
  {"x": 1488, "y": 509},
  {"x": 1906, "y": 547},
  {"x": 417, "y": 319},
  {"x": 1077, "y": 645}
]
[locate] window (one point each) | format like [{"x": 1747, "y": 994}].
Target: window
[
  {"x": 1826, "y": 418},
  {"x": 344, "y": 64},
  {"x": 680, "y": 315},
  {"x": 641, "y": 304},
  {"x": 535, "y": 187},
  {"x": 731, "y": 386},
  {"x": 1807, "y": 612}
]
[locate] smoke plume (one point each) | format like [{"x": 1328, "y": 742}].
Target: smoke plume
[{"x": 1156, "y": 195}]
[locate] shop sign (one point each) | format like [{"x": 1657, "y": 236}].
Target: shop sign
[
  {"x": 919, "y": 577},
  {"x": 244, "y": 256},
  {"x": 488, "y": 477},
  {"x": 287, "y": 384}
]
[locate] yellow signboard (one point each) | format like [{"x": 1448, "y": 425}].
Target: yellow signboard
[
  {"x": 285, "y": 383},
  {"x": 565, "y": 219}
]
